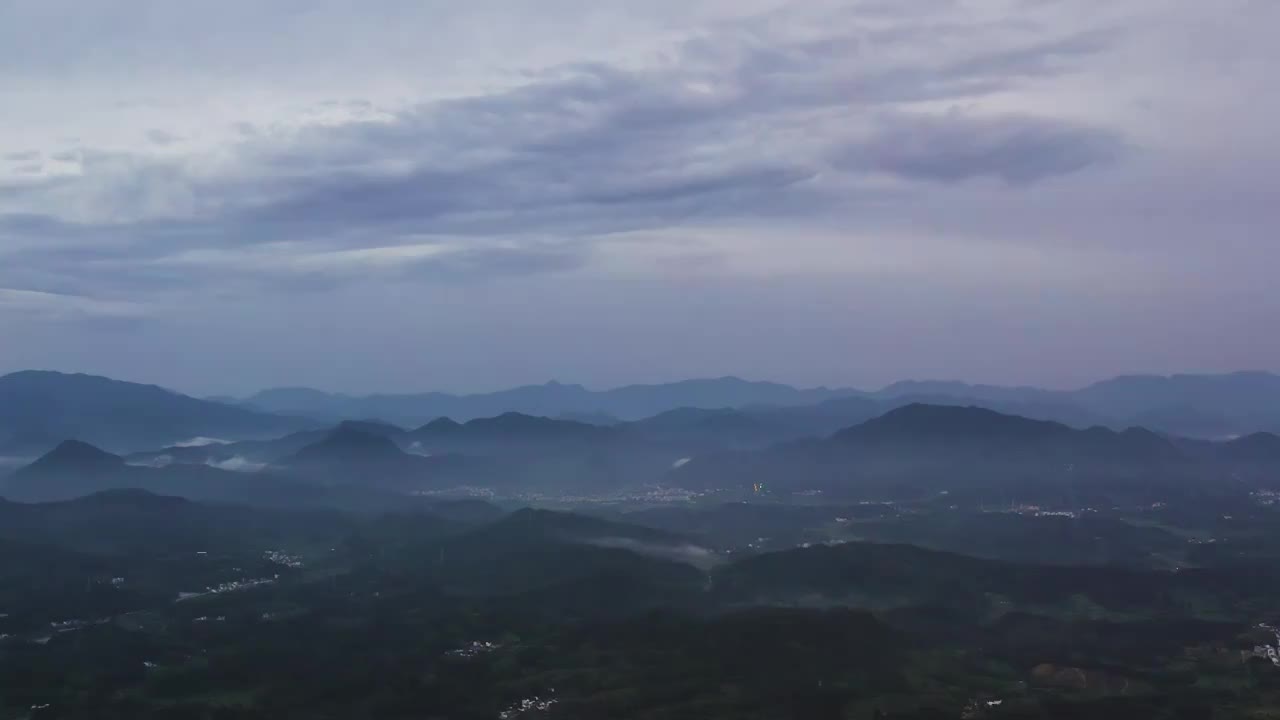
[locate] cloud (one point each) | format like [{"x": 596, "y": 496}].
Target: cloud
[
  {"x": 161, "y": 137},
  {"x": 237, "y": 463},
  {"x": 768, "y": 164},
  {"x": 201, "y": 442},
  {"x": 57, "y": 305},
  {"x": 958, "y": 146},
  {"x": 695, "y": 555},
  {"x": 737, "y": 123}
]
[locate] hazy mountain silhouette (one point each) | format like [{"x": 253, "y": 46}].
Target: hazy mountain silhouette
[
  {"x": 248, "y": 454},
  {"x": 590, "y": 418},
  {"x": 566, "y": 556},
  {"x": 692, "y": 430},
  {"x": 978, "y": 432},
  {"x": 39, "y": 409},
  {"x": 349, "y": 455},
  {"x": 505, "y": 434},
  {"x": 75, "y": 470},
  {"x": 551, "y": 400},
  {"x": 931, "y": 447},
  {"x": 349, "y": 444},
  {"x": 1258, "y": 448},
  {"x": 76, "y": 456},
  {"x": 1211, "y": 406},
  {"x": 954, "y": 388},
  {"x": 139, "y": 521}
]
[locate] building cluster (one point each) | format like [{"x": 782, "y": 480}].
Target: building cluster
[
  {"x": 281, "y": 558},
  {"x": 1266, "y": 497},
  {"x": 528, "y": 705},
  {"x": 474, "y": 648},
  {"x": 1268, "y": 652},
  {"x": 461, "y": 491},
  {"x": 226, "y": 587},
  {"x": 980, "y": 708},
  {"x": 654, "y": 494}
]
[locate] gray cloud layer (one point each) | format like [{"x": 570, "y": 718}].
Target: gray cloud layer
[{"x": 986, "y": 154}]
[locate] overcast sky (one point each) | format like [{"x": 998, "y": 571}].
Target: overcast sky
[{"x": 219, "y": 196}]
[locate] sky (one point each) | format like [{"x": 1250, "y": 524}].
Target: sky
[{"x": 403, "y": 195}]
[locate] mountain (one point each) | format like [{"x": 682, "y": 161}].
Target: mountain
[
  {"x": 572, "y": 559},
  {"x": 1243, "y": 401},
  {"x": 38, "y": 409},
  {"x": 75, "y": 469},
  {"x": 696, "y": 430},
  {"x": 132, "y": 521},
  {"x": 590, "y": 418},
  {"x": 1190, "y": 421},
  {"x": 953, "y": 388},
  {"x": 887, "y": 575},
  {"x": 76, "y": 456},
  {"x": 509, "y": 433},
  {"x": 553, "y": 399},
  {"x": 692, "y": 430},
  {"x": 248, "y": 455},
  {"x": 350, "y": 455},
  {"x": 531, "y": 525},
  {"x": 824, "y": 418},
  {"x": 1255, "y": 448},
  {"x": 349, "y": 444},
  {"x": 960, "y": 432},
  {"x": 528, "y": 453},
  {"x": 927, "y": 449},
  {"x": 1210, "y": 406}
]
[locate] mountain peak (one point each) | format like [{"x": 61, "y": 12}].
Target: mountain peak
[
  {"x": 441, "y": 424},
  {"x": 353, "y": 436},
  {"x": 516, "y": 422},
  {"x": 370, "y": 427},
  {"x": 347, "y": 443},
  {"x": 921, "y": 420},
  {"x": 74, "y": 453},
  {"x": 1258, "y": 447},
  {"x": 132, "y": 497}
]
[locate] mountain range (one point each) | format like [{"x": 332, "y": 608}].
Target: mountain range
[
  {"x": 75, "y": 469},
  {"x": 1211, "y": 406},
  {"x": 913, "y": 451},
  {"x": 40, "y": 409},
  {"x": 919, "y": 450},
  {"x": 552, "y": 399}
]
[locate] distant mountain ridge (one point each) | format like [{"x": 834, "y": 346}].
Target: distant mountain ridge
[
  {"x": 366, "y": 454},
  {"x": 1208, "y": 406},
  {"x": 919, "y": 429},
  {"x": 923, "y": 449},
  {"x": 363, "y": 480},
  {"x": 39, "y": 409},
  {"x": 75, "y": 469},
  {"x": 552, "y": 399}
]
